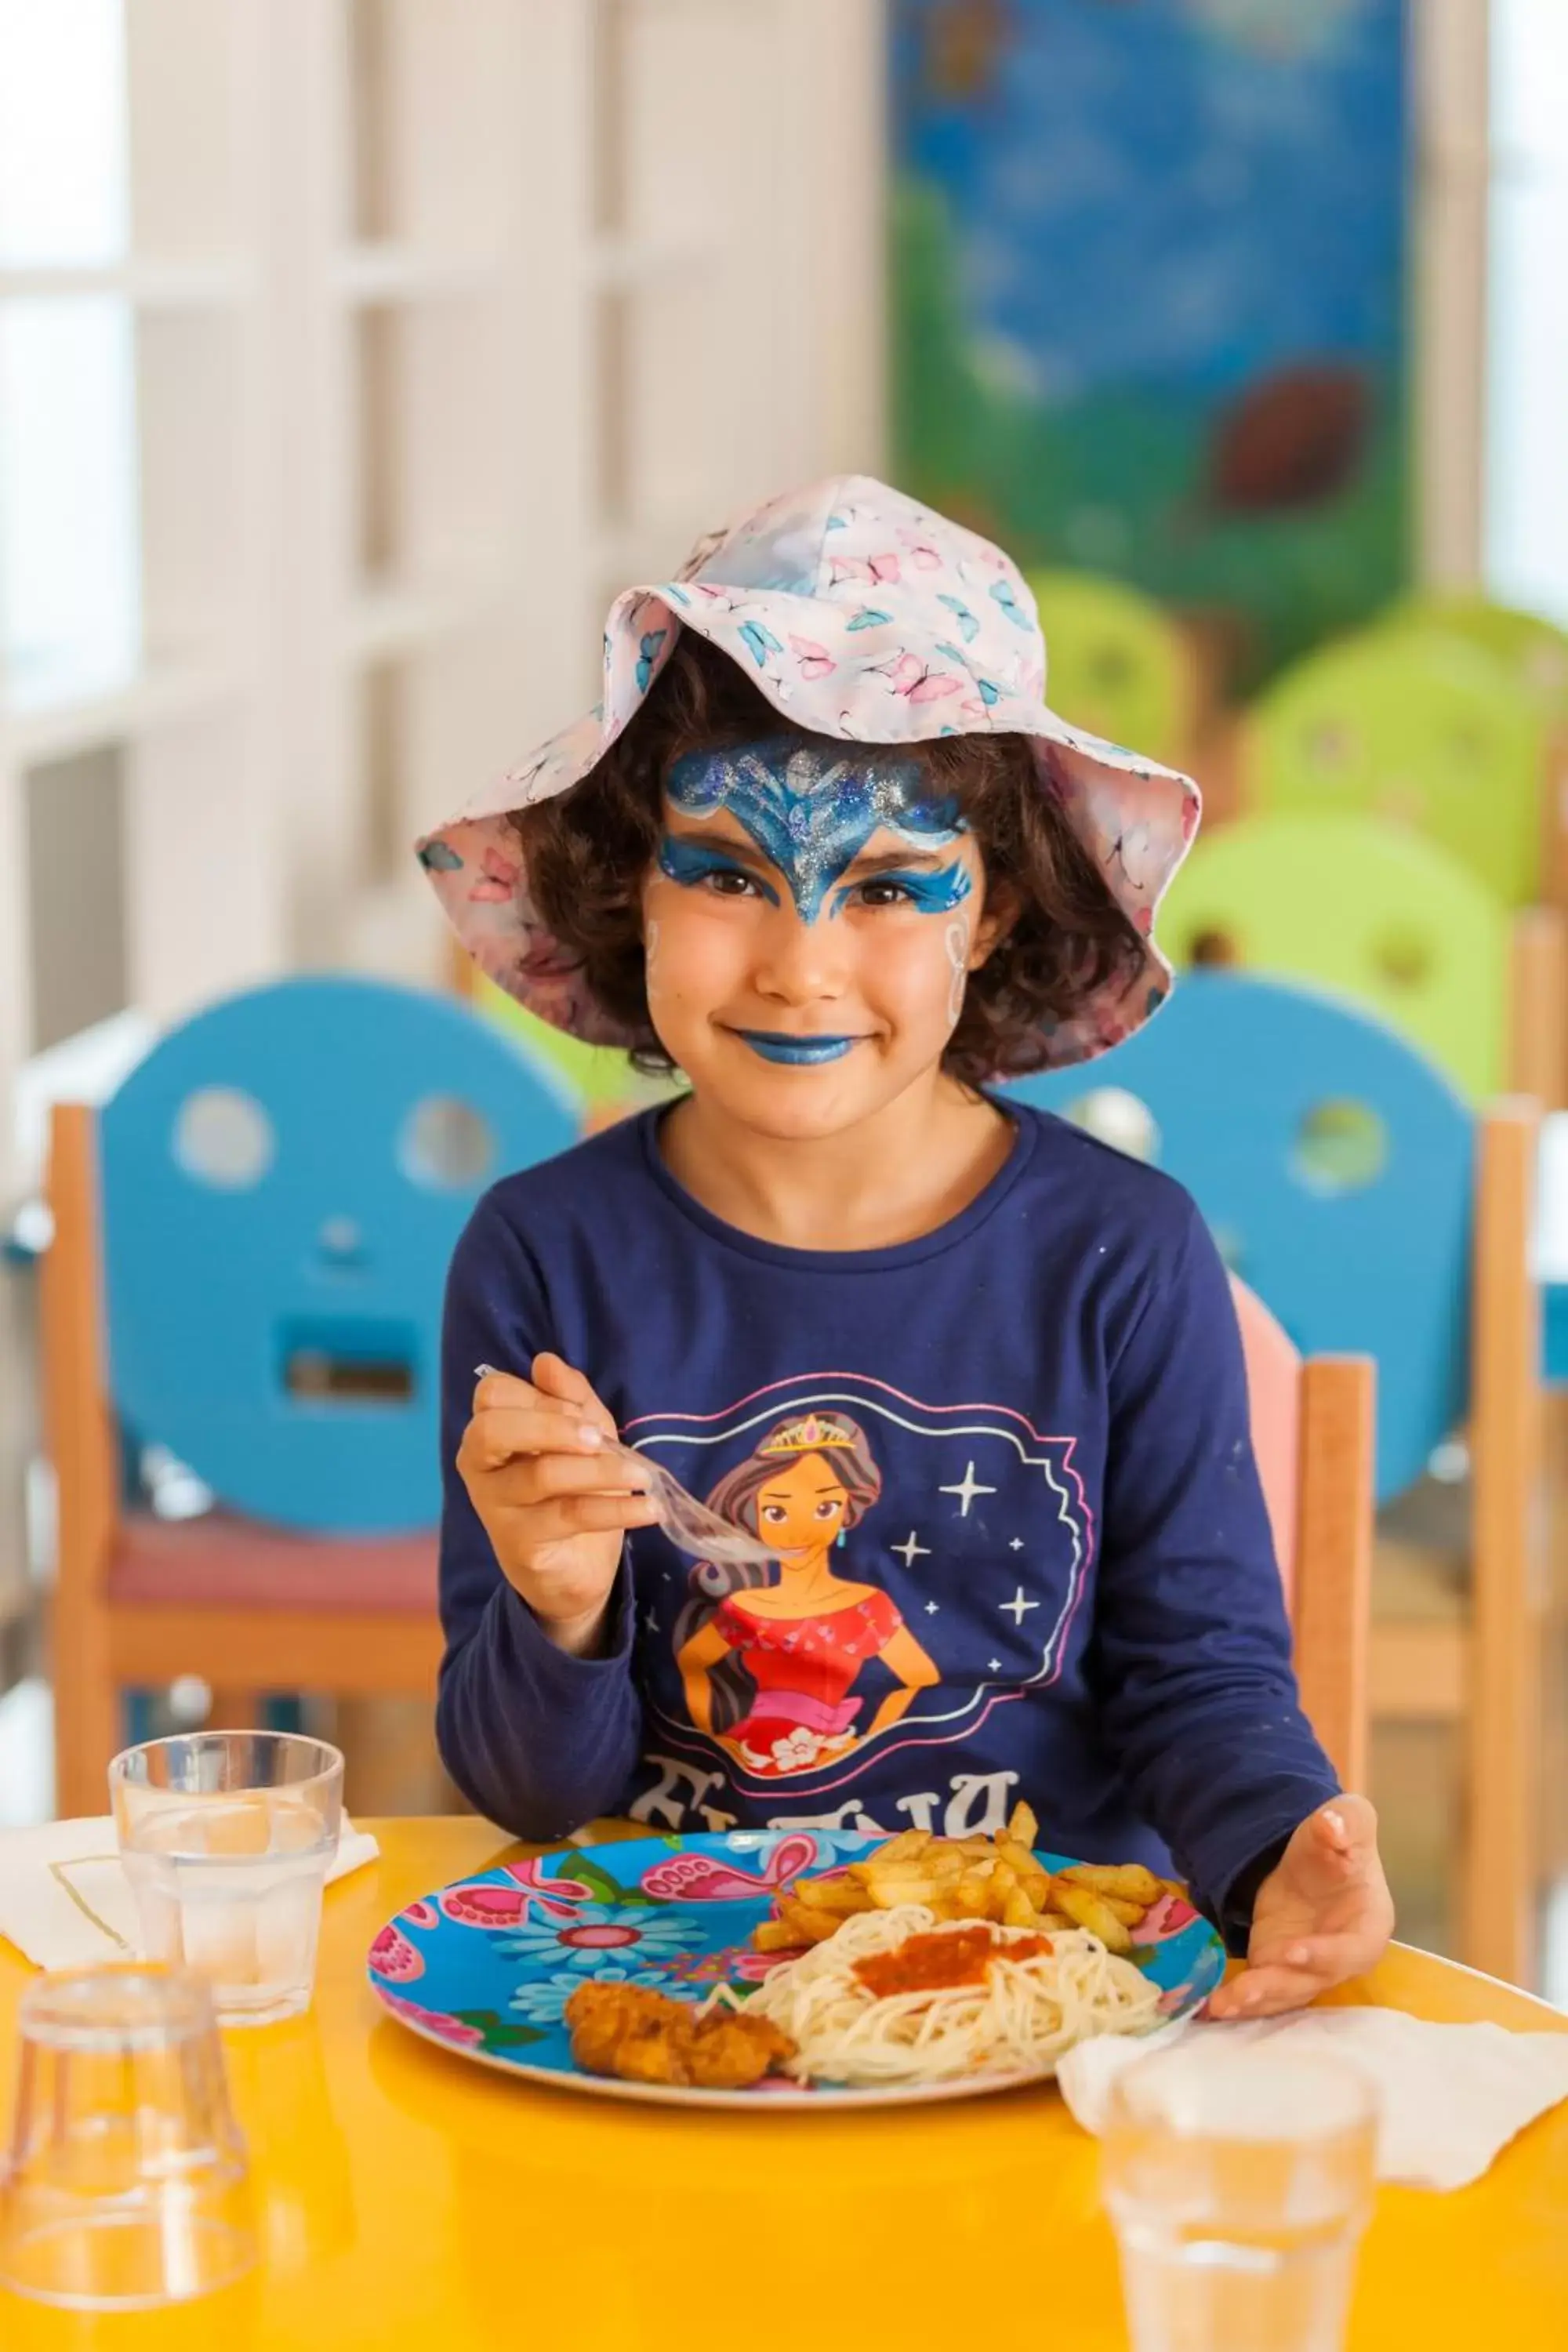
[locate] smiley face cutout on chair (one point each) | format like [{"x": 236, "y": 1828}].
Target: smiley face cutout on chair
[{"x": 283, "y": 1180}]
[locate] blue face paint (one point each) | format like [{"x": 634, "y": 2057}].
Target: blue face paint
[
  {"x": 810, "y": 812},
  {"x": 935, "y": 893},
  {"x": 805, "y": 1053},
  {"x": 691, "y": 863}
]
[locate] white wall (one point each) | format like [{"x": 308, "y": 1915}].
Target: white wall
[{"x": 436, "y": 326}]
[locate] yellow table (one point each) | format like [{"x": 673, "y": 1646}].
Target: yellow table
[{"x": 409, "y": 2198}]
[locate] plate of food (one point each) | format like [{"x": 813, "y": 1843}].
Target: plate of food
[{"x": 795, "y": 1967}]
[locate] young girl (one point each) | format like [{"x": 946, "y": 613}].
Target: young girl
[{"x": 824, "y": 850}]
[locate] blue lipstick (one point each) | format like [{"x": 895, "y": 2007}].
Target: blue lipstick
[{"x": 775, "y": 1045}]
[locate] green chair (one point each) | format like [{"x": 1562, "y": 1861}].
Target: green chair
[
  {"x": 1361, "y": 906},
  {"x": 1426, "y": 732},
  {"x": 1118, "y": 666},
  {"x": 1534, "y": 651}
]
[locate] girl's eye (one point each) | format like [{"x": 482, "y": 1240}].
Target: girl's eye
[
  {"x": 884, "y": 894},
  {"x": 774, "y": 1513},
  {"x": 827, "y": 1510},
  {"x": 729, "y": 882}
]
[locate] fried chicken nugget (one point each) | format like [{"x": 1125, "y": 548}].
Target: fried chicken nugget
[
  {"x": 732, "y": 2050},
  {"x": 642, "y": 2036},
  {"x": 629, "y": 2031}
]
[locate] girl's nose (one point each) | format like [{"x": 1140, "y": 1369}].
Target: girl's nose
[{"x": 800, "y": 962}]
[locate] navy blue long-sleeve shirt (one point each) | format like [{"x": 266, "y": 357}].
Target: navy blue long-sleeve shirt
[{"x": 1029, "y": 1556}]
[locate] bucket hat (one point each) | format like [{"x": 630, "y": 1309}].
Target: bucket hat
[{"x": 859, "y": 614}]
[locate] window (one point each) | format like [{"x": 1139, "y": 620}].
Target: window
[
  {"x": 69, "y": 594},
  {"x": 1526, "y": 504}
]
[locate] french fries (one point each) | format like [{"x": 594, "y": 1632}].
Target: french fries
[
  {"x": 1129, "y": 1879},
  {"x": 1090, "y": 1910},
  {"x": 997, "y": 1878}
]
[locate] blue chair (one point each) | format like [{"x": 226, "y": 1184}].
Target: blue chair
[
  {"x": 251, "y": 1241},
  {"x": 1262, "y": 1095},
  {"x": 1349, "y": 1186}
]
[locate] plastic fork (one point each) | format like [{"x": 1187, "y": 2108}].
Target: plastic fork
[{"x": 690, "y": 1526}]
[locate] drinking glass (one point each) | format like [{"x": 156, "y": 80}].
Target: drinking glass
[
  {"x": 1239, "y": 2182},
  {"x": 226, "y": 1837},
  {"x": 126, "y": 2182}
]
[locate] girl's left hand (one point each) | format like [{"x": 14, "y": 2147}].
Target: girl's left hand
[{"x": 1323, "y": 1915}]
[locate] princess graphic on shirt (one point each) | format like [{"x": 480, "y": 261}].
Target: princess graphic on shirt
[{"x": 768, "y": 1658}]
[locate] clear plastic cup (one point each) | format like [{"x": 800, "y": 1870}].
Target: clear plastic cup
[
  {"x": 1239, "y": 2182},
  {"x": 125, "y": 2185},
  {"x": 226, "y": 1837}
]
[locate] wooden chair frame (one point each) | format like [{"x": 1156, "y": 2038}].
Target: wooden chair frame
[
  {"x": 1335, "y": 1514},
  {"x": 1485, "y": 1672},
  {"x": 1314, "y": 1433},
  {"x": 102, "y": 1646},
  {"x": 1537, "y": 1046}
]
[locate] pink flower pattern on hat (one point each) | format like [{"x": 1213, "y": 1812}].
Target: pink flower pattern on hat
[{"x": 861, "y": 615}]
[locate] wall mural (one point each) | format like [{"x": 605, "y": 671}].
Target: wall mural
[{"x": 1149, "y": 297}]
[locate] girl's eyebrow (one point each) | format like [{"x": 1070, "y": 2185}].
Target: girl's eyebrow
[
  {"x": 743, "y": 852},
  {"x": 897, "y": 861}
]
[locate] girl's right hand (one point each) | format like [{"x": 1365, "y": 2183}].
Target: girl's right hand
[{"x": 555, "y": 1508}]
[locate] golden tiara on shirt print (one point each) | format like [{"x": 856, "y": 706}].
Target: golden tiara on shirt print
[{"x": 813, "y": 1435}]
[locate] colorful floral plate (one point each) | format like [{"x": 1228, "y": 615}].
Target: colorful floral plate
[{"x": 486, "y": 1966}]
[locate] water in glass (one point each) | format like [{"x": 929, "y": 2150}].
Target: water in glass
[
  {"x": 232, "y": 1888},
  {"x": 1239, "y": 2183},
  {"x": 227, "y": 1837}
]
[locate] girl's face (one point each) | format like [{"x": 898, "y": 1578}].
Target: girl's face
[
  {"x": 803, "y": 1508},
  {"x": 812, "y": 920}
]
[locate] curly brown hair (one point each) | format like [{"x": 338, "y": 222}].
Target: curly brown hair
[{"x": 588, "y": 852}]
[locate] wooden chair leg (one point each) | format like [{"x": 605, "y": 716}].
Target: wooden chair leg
[
  {"x": 1333, "y": 1554},
  {"x": 1500, "y": 1847},
  {"x": 84, "y": 1449},
  {"x": 1537, "y": 1019},
  {"x": 89, "y": 1724},
  {"x": 234, "y": 1708}
]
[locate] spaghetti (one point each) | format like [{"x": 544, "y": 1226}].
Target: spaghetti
[{"x": 1010, "y": 2009}]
